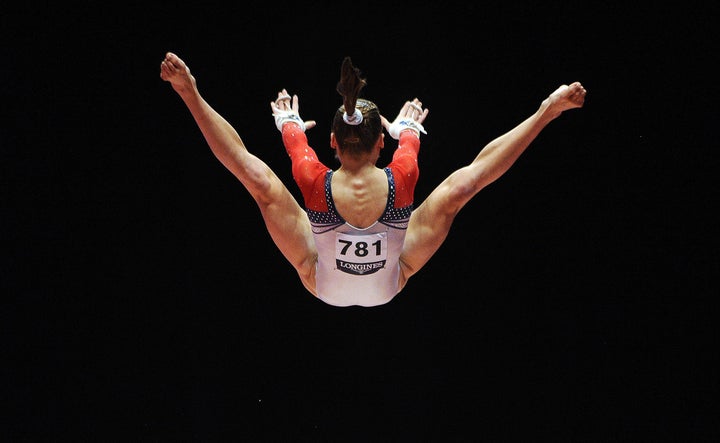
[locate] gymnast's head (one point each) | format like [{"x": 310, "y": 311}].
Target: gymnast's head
[{"x": 357, "y": 125}]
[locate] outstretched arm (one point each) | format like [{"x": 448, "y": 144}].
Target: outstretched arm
[
  {"x": 406, "y": 128},
  {"x": 430, "y": 222}
]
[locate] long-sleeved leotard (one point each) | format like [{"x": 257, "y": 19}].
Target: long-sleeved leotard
[{"x": 355, "y": 266}]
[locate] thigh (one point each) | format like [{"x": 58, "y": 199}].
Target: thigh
[
  {"x": 289, "y": 226},
  {"x": 428, "y": 228}
]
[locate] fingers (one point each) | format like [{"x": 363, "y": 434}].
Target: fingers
[
  {"x": 421, "y": 117},
  {"x": 285, "y": 102},
  {"x": 282, "y": 95},
  {"x": 413, "y": 109}
]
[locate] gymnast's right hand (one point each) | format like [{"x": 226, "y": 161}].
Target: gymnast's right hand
[{"x": 411, "y": 116}]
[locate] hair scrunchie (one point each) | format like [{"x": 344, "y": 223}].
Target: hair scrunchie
[{"x": 355, "y": 119}]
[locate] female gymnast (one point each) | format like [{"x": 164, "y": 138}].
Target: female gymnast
[{"x": 358, "y": 238}]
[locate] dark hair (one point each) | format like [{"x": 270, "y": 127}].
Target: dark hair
[{"x": 355, "y": 139}]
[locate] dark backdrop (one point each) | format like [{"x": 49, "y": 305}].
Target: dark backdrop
[{"x": 574, "y": 299}]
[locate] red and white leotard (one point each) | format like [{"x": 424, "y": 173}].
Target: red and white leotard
[{"x": 355, "y": 266}]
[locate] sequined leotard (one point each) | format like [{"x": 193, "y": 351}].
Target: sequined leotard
[{"x": 355, "y": 266}]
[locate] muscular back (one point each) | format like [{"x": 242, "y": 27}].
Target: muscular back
[{"x": 361, "y": 198}]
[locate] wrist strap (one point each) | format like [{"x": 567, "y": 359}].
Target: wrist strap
[
  {"x": 282, "y": 117},
  {"x": 407, "y": 123}
]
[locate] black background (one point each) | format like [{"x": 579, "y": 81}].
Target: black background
[{"x": 574, "y": 299}]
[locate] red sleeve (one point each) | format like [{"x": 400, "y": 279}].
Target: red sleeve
[
  {"x": 308, "y": 172},
  {"x": 405, "y": 167}
]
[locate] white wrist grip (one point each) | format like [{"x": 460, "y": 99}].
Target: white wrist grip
[
  {"x": 282, "y": 117},
  {"x": 402, "y": 124}
]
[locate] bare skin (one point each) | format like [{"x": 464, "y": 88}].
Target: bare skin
[
  {"x": 431, "y": 221},
  {"x": 285, "y": 220},
  {"x": 359, "y": 186}
]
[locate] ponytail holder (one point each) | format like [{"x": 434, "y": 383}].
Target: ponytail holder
[{"x": 354, "y": 119}]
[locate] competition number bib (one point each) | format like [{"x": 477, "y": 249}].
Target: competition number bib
[{"x": 360, "y": 254}]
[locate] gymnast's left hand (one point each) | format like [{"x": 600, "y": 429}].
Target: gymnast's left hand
[{"x": 286, "y": 109}]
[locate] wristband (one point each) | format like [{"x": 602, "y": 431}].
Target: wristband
[
  {"x": 407, "y": 123},
  {"x": 282, "y": 117}
]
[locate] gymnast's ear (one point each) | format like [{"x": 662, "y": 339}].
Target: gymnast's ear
[{"x": 333, "y": 141}]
